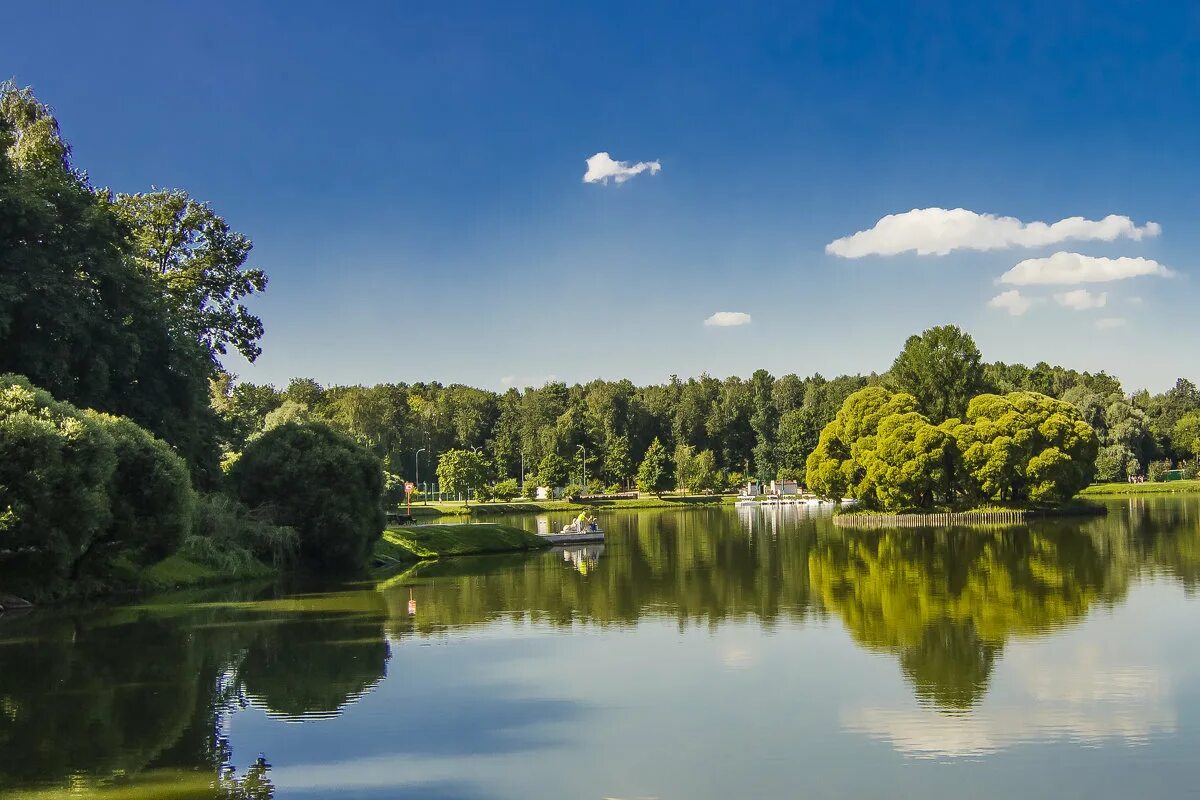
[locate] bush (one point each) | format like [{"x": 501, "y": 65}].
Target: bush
[
  {"x": 1157, "y": 470},
  {"x": 530, "y": 490},
  {"x": 319, "y": 482},
  {"x": 572, "y": 491},
  {"x": 233, "y": 539},
  {"x": 55, "y": 467},
  {"x": 1191, "y": 470},
  {"x": 507, "y": 489},
  {"x": 150, "y": 493}
]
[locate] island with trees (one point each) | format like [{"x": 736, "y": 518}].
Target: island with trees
[{"x": 131, "y": 458}]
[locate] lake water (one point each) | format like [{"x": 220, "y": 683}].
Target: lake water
[{"x": 704, "y": 653}]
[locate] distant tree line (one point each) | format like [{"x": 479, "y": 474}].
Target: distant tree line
[{"x": 711, "y": 433}]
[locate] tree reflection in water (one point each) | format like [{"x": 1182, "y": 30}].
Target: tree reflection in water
[{"x": 140, "y": 696}]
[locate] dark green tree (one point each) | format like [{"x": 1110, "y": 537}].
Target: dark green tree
[
  {"x": 942, "y": 369},
  {"x": 654, "y": 474},
  {"x": 321, "y": 483}
]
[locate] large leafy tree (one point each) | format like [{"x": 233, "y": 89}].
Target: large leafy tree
[
  {"x": 1025, "y": 446},
  {"x": 200, "y": 263},
  {"x": 836, "y": 467},
  {"x": 654, "y": 474},
  {"x": 320, "y": 482},
  {"x": 942, "y": 369},
  {"x": 76, "y": 316},
  {"x": 461, "y": 472}
]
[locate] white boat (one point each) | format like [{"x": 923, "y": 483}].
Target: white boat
[{"x": 575, "y": 533}]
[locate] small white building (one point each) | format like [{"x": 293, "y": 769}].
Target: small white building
[
  {"x": 754, "y": 489},
  {"x": 548, "y": 493},
  {"x": 785, "y": 487}
]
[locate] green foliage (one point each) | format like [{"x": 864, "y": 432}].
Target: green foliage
[
  {"x": 199, "y": 263},
  {"x": 150, "y": 493},
  {"x": 1158, "y": 470},
  {"x": 460, "y": 472},
  {"x": 81, "y": 491},
  {"x": 235, "y": 540},
  {"x": 507, "y": 489},
  {"x": 653, "y": 474},
  {"x": 319, "y": 482},
  {"x": 1185, "y": 434},
  {"x": 910, "y": 463},
  {"x": 1115, "y": 462},
  {"x": 77, "y": 315},
  {"x": 1024, "y": 446},
  {"x": 56, "y": 467},
  {"x": 835, "y": 469},
  {"x": 942, "y": 369},
  {"x": 553, "y": 471}
]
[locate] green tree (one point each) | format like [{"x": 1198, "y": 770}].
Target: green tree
[
  {"x": 653, "y": 474},
  {"x": 617, "y": 463},
  {"x": 201, "y": 266},
  {"x": 763, "y": 422},
  {"x": 76, "y": 316},
  {"x": 835, "y": 468},
  {"x": 150, "y": 492},
  {"x": 553, "y": 471},
  {"x": 685, "y": 455},
  {"x": 906, "y": 462},
  {"x": 1186, "y": 434},
  {"x": 321, "y": 483},
  {"x": 942, "y": 369},
  {"x": 1024, "y": 446},
  {"x": 460, "y": 472},
  {"x": 56, "y": 465},
  {"x": 704, "y": 473}
]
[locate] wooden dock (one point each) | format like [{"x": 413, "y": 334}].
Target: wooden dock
[{"x": 929, "y": 520}]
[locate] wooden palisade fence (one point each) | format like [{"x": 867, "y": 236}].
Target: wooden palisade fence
[{"x": 928, "y": 520}]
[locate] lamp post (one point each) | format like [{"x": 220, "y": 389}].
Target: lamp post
[{"x": 417, "y": 467}]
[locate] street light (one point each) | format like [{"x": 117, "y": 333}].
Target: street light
[{"x": 417, "y": 467}]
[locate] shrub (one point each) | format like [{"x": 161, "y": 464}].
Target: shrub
[
  {"x": 572, "y": 491},
  {"x": 507, "y": 489},
  {"x": 150, "y": 493},
  {"x": 1191, "y": 470},
  {"x": 319, "y": 482},
  {"x": 55, "y": 467},
  {"x": 233, "y": 539},
  {"x": 1157, "y": 470}
]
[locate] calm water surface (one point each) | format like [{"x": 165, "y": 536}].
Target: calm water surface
[{"x": 705, "y": 653}]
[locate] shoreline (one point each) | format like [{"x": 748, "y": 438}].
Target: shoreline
[
  {"x": 434, "y": 510},
  {"x": 1132, "y": 489}
]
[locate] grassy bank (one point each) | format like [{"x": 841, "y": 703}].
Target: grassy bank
[
  {"x": 411, "y": 543},
  {"x": 1125, "y": 489},
  {"x": 543, "y": 506}
]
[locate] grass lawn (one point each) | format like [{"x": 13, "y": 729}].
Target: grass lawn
[
  {"x": 1122, "y": 489},
  {"x": 409, "y": 543}
]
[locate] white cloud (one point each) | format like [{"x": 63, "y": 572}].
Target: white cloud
[
  {"x": 1108, "y": 323},
  {"x": 727, "y": 319},
  {"x": 940, "y": 230},
  {"x": 601, "y": 167},
  {"x": 1013, "y": 302},
  {"x": 1081, "y": 299},
  {"x": 1074, "y": 268}
]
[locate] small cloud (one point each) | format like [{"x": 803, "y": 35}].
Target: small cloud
[
  {"x": 1073, "y": 268},
  {"x": 1081, "y": 299},
  {"x": 507, "y": 380},
  {"x": 727, "y": 319},
  {"x": 601, "y": 167},
  {"x": 1013, "y": 302},
  {"x": 939, "y": 231},
  {"x": 1137, "y": 301},
  {"x": 1108, "y": 323}
]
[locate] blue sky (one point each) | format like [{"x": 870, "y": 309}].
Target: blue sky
[{"x": 412, "y": 177}]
